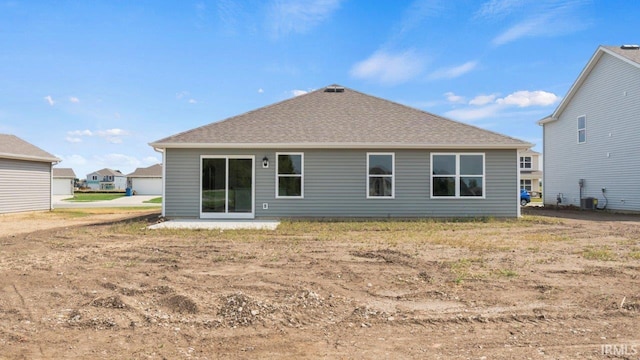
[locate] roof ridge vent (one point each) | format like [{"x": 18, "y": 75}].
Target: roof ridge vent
[
  {"x": 630, "y": 47},
  {"x": 334, "y": 88}
]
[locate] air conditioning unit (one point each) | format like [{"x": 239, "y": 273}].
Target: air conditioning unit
[{"x": 588, "y": 203}]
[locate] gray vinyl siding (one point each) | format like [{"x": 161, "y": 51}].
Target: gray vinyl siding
[
  {"x": 335, "y": 185},
  {"x": 24, "y": 186},
  {"x": 610, "y": 158}
]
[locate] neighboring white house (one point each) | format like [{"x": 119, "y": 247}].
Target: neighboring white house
[
  {"x": 25, "y": 176},
  {"x": 106, "y": 179},
  {"x": 63, "y": 181},
  {"x": 592, "y": 140},
  {"x": 530, "y": 173},
  {"x": 146, "y": 181}
]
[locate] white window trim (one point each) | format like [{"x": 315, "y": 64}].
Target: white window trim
[
  {"x": 523, "y": 161},
  {"x": 226, "y": 214},
  {"x": 583, "y": 129},
  {"x": 392, "y": 176},
  {"x": 457, "y": 176},
  {"x": 523, "y": 184},
  {"x": 290, "y": 175}
]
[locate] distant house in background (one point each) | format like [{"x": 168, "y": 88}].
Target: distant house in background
[
  {"x": 25, "y": 176},
  {"x": 530, "y": 173},
  {"x": 146, "y": 181},
  {"x": 106, "y": 179},
  {"x": 63, "y": 181},
  {"x": 591, "y": 141}
]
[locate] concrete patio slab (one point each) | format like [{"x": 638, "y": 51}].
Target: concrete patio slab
[{"x": 217, "y": 224}]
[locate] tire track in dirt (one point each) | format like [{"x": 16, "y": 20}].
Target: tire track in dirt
[{"x": 27, "y": 310}]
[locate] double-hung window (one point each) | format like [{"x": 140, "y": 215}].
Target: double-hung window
[
  {"x": 525, "y": 162},
  {"x": 380, "y": 173},
  {"x": 457, "y": 175},
  {"x": 525, "y": 184},
  {"x": 290, "y": 175},
  {"x": 582, "y": 129}
]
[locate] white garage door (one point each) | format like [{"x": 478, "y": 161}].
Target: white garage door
[
  {"x": 62, "y": 187},
  {"x": 150, "y": 186}
]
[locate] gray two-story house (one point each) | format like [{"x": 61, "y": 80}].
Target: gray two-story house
[{"x": 591, "y": 141}]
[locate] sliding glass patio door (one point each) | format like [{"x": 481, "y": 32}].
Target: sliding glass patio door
[{"x": 227, "y": 187}]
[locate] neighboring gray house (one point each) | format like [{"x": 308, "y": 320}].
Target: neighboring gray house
[
  {"x": 25, "y": 176},
  {"x": 591, "y": 141},
  {"x": 63, "y": 181},
  {"x": 336, "y": 152},
  {"x": 106, "y": 179},
  {"x": 146, "y": 181}
]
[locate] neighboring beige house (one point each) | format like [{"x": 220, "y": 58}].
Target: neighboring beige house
[
  {"x": 591, "y": 142},
  {"x": 530, "y": 173},
  {"x": 106, "y": 179},
  {"x": 146, "y": 181},
  {"x": 63, "y": 181},
  {"x": 25, "y": 176}
]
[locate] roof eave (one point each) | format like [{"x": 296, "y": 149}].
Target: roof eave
[
  {"x": 547, "y": 120},
  {"x": 29, "y": 158},
  {"x": 522, "y": 145}
]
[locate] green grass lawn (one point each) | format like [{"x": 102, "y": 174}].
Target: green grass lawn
[
  {"x": 157, "y": 200},
  {"x": 88, "y": 197}
]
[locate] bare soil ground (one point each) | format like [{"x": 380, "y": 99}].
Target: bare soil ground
[{"x": 552, "y": 285}]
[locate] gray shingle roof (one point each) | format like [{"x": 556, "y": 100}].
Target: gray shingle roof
[
  {"x": 107, "y": 171},
  {"x": 631, "y": 54},
  {"x": 152, "y": 171},
  {"x": 12, "y": 147},
  {"x": 325, "y": 118},
  {"x": 63, "y": 173}
]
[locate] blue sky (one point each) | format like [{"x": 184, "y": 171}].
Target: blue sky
[{"x": 94, "y": 82}]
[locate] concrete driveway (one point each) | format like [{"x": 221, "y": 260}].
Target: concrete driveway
[{"x": 125, "y": 201}]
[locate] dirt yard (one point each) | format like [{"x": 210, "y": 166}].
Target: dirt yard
[{"x": 552, "y": 285}]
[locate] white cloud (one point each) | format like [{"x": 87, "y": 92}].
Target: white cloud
[
  {"x": 529, "y": 98},
  {"x": 454, "y": 72},
  {"x": 49, "y": 100},
  {"x": 182, "y": 94},
  {"x": 499, "y": 8},
  {"x": 389, "y": 68},
  {"x": 453, "y": 98},
  {"x": 72, "y": 160},
  {"x": 260, "y": 91},
  {"x": 298, "y": 16},
  {"x": 111, "y": 132},
  {"x": 80, "y": 133},
  {"x": 74, "y": 99},
  {"x": 112, "y": 136},
  {"x": 73, "y": 139},
  {"x": 486, "y": 106},
  {"x": 117, "y": 161},
  {"x": 192, "y": 101},
  {"x": 420, "y": 10},
  {"x": 151, "y": 160},
  {"x": 474, "y": 113},
  {"x": 550, "y": 18},
  {"x": 298, "y": 92},
  {"x": 482, "y": 100}
]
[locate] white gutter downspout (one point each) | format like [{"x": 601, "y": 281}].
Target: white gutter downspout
[
  {"x": 51, "y": 184},
  {"x": 164, "y": 176},
  {"x": 519, "y": 211}
]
